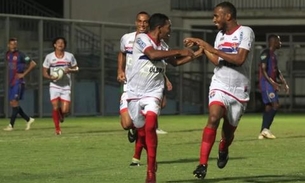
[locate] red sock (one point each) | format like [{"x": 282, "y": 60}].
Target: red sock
[
  {"x": 227, "y": 136},
  {"x": 208, "y": 139},
  {"x": 151, "y": 140},
  {"x": 55, "y": 116},
  {"x": 140, "y": 143}
]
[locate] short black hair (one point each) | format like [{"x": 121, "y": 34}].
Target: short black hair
[
  {"x": 157, "y": 19},
  {"x": 12, "y": 39},
  {"x": 272, "y": 36},
  {"x": 142, "y": 13},
  {"x": 230, "y": 7},
  {"x": 58, "y": 38}
]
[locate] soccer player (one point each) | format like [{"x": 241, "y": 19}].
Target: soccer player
[
  {"x": 17, "y": 69},
  {"x": 146, "y": 83},
  {"x": 230, "y": 86},
  {"x": 60, "y": 89},
  {"x": 269, "y": 75}
]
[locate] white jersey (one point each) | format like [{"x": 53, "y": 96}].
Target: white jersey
[
  {"x": 126, "y": 45},
  {"x": 229, "y": 78},
  {"x": 147, "y": 76},
  {"x": 51, "y": 62}
]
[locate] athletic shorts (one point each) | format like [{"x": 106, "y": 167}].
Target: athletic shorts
[
  {"x": 269, "y": 95},
  {"x": 234, "y": 108},
  {"x": 123, "y": 102},
  {"x": 16, "y": 92},
  {"x": 138, "y": 108},
  {"x": 60, "y": 93}
]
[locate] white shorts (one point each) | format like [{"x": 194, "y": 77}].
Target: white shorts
[
  {"x": 123, "y": 102},
  {"x": 61, "y": 93},
  {"x": 138, "y": 108},
  {"x": 234, "y": 108}
]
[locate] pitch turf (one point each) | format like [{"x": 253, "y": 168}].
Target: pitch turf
[{"x": 96, "y": 150}]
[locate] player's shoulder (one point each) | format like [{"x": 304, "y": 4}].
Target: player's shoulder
[
  {"x": 142, "y": 35},
  {"x": 69, "y": 54},
  {"x": 52, "y": 54},
  {"x": 129, "y": 35},
  {"x": 246, "y": 28}
]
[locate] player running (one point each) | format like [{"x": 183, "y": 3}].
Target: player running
[
  {"x": 230, "y": 86},
  {"x": 60, "y": 89},
  {"x": 269, "y": 73},
  {"x": 146, "y": 83},
  {"x": 17, "y": 69}
]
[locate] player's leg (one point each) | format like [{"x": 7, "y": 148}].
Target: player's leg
[
  {"x": 55, "y": 100},
  {"x": 270, "y": 99},
  {"x": 235, "y": 110},
  {"x": 28, "y": 119},
  {"x": 151, "y": 111},
  {"x": 216, "y": 112},
  {"x": 126, "y": 121},
  {"x": 138, "y": 119},
  {"x": 163, "y": 104}
]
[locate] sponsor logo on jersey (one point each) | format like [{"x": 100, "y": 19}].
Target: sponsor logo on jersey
[
  {"x": 234, "y": 38},
  {"x": 156, "y": 70},
  {"x": 14, "y": 58},
  {"x": 141, "y": 43}
]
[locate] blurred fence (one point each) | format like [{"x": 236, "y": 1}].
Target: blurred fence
[{"x": 95, "y": 90}]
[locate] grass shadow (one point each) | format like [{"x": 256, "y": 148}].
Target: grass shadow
[{"x": 192, "y": 160}]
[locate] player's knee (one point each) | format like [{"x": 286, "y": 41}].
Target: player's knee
[
  {"x": 151, "y": 121},
  {"x": 214, "y": 119}
]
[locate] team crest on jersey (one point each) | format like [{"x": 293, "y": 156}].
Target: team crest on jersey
[
  {"x": 271, "y": 95},
  {"x": 234, "y": 38},
  {"x": 222, "y": 38},
  {"x": 14, "y": 58},
  {"x": 141, "y": 43},
  {"x": 212, "y": 94}
]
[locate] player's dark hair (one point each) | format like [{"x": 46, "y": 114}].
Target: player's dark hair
[
  {"x": 156, "y": 20},
  {"x": 12, "y": 39},
  {"x": 142, "y": 13},
  {"x": 272, "y": 36},
  {"x": 58, "y": 38},
  {"x": 230, "y": 7}
]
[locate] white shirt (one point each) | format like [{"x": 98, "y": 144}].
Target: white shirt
[
  {"x": 231, "y": 79},
  {"x": 126, "y": 46},
  {"x": 147, "y": 76},
  {"x": 51, "y": 62}
]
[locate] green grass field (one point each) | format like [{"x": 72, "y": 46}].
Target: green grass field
[{"x": 96, "y": 150}]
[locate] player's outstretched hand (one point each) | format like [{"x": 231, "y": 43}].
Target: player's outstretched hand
[
  {"x": 186, "y": 52},
  {"x": 121, "y": 77},
  {"x": 169, "y": 85},
  {"x": 189, "y": 42}
]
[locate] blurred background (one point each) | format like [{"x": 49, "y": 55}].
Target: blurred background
[{"x": 93, "y": 29}]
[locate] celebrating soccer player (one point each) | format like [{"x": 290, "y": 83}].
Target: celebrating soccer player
[
  {"x": 146, "y": 83},
  {"x": 17, "y": 69},
  {"x": 230, "y": 85},
  {"x": 60, "y": 88},
  {"x": 269, "y": 74},
  {"x": 124, "y": 63}
]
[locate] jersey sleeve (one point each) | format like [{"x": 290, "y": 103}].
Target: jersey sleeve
[
  {"x": 73, "y": 61},
  {"x": 143, "y": 42},
  {"x": 46, "y": 62},
  {"x": 264, "y": 56},
  {"x": 122, "y": 44},
  {"x": 247, "y": 38},
  {"x": 24, "y": 58}
]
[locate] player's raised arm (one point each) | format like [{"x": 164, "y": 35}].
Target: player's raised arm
[{"x": 183, "y": 60}]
